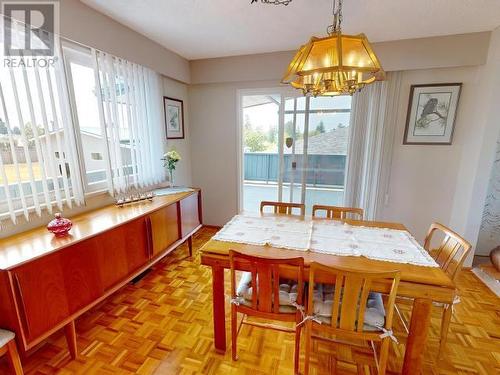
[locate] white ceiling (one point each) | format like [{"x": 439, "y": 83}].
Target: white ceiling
[{"x": 198, "y": 29}]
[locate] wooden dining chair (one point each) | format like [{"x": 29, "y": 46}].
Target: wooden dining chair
[
  {"x": 8, "y": 346},
  {"x": 263, "y": 293},
  {"x": 283, "y": 207},
  {"x": 334, "y": 212},
  {"x": 350, "y": 311},
  {"x": 450, "y": 254}
]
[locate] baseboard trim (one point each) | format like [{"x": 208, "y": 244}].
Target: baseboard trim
[
  {"x": 212, "y": 226},
  {"x": 487, "y": 280}
]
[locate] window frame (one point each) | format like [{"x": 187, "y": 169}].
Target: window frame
[
  {"x": 285, "y": 93},
  {"x": 81, "y": 56}
]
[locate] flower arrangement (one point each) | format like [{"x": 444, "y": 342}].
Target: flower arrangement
[{"x": 170, "y": 159}]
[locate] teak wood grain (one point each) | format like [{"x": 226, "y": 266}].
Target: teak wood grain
[
  {"x": 164, "y": 228},
  {"x": 337, "y": 212},
  {"x": 44, "y": 289},
  {"x": 265, "y": 284},
  {"x": 285, "y": 208},
  {"x": 29, "y": 245},
  {"x": 424, "y": 284},
  {"x": 351, "y": 293},
  {"x": 450, "y": 254},
  {"x": 10, "y": 350},
  {"x": 140, "y": 331}
]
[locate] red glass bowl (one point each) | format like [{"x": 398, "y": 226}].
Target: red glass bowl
[{"x": 60, "y": 226}]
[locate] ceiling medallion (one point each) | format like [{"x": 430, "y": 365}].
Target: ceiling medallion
[
  {"x": 273, "y": 2},
  {"x": 338, "y": 64}
]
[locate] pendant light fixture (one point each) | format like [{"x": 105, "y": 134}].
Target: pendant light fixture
[{"x": 338, "y": 64}]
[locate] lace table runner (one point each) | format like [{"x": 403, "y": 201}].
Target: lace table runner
[{"x": 325, "y": 236}]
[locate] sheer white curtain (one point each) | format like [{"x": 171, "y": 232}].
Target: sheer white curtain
[
  {"x": 38, "y": 161},
  {"x": 130, "y": 99},
  {"x": 373, "y": 123}
]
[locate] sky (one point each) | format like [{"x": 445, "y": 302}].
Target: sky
[{"x": 266, "y": 115}]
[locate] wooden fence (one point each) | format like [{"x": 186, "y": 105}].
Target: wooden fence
[{"x": 20, "y": 155}]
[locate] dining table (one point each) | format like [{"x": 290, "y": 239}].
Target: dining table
[{"x": 423, "y": 284}]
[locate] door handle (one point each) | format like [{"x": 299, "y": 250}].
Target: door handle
[
  {"x": 23, "y": 306},
  {"x": 149, "y": 238}
]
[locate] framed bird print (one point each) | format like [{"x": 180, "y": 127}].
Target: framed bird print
[
  {"x": 431, "y": 114},
  {"x": 174, "y": 117}
]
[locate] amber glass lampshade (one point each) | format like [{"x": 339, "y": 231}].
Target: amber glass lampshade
[{"x": 336, "y": 65}]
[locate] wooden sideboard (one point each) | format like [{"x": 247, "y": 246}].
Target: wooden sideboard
[{"x": 47, "y": 282}]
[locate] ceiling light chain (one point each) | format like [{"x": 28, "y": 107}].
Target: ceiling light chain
[
  {"x": 337, "y": 18},
  {"x": 273, "y": 2},
  {"x": 338, "y": 64}
]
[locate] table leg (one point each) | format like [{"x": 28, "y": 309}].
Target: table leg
[
  {"x": 419, "y": 328},
  {"x": 219, "y": 309}
]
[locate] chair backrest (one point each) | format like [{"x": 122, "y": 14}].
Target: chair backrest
[
  {"x": 266, "y": 279},
  {"x": 334, "y": 212},
  {"x": 284, "y": 207},
  {"x": 452, "y": 251},
  {"x": 351, "y": 291}
]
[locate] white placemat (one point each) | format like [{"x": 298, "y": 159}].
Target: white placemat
[{"x": 325, "y": 236}]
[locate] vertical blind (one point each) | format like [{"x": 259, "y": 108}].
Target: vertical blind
[
  {"x": 40, "y": 166},
  {"x": 373, "y": 125},
  {"x": 130, "y": 115},
  {"x": 38, "y": 160}
]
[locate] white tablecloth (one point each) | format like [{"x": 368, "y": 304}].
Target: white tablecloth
[{"x": 325, "y": 236}]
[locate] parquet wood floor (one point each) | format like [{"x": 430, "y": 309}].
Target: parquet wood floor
[{"x": 163, "y": 325}]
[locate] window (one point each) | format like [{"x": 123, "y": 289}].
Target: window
[
  {"x": 294, "y": 152},
  {"x": 118, "y": 119},
  {"x": 92, "y": 122},
  {"x": 34, "y": 130},
  {"x": 83, "y": 89}
]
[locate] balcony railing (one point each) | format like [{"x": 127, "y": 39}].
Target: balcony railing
[{"x": 323, "y": 170}]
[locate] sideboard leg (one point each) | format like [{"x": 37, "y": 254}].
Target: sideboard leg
[
  {"x": 70, "y": 332},
  {"x": 190, "y": 245}
]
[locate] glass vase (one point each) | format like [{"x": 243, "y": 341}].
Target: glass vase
[{"x": 171, "y": 179}]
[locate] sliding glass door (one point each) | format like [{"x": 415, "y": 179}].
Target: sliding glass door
[{"x": 293, "y": 148}]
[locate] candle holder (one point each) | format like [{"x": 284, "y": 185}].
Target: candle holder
[{"x": 134, "y": 198}]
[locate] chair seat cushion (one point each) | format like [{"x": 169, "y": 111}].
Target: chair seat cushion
[
  {"x": 5, "y": 337},
  {"x": 287, "y": 298},
  {"x": 323, "y": 305}
]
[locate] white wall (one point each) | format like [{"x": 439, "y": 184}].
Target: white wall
[
  {"x": 475, "y": 167},
  {"x": 410, "y": 54},
  {"x": 427, "y": 183},
  {"x": 424, "y": 178},
  {"x": 214, "y": 125},
  {"x": 85, "y": 25},
  {"x": 182, "y": 174},
  {"x": 489, "y": 234}
]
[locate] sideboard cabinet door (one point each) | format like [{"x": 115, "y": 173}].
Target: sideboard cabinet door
[
  {"x": 81, "y": 274},
  {"x": 190, "y": 215},
  {"x": 41, "y": 294},
  {"x": 164, "y": 228},
  {"x": 121, "y": 251}
]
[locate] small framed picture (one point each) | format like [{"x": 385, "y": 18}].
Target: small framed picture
[
  {"x": 174, "y": 118},
  {"x": 431, "y": 114}
]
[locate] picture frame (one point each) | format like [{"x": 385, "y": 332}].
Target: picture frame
[
  {"x": 431, "y": 115},
  {"x": 174, "y": 117}
]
